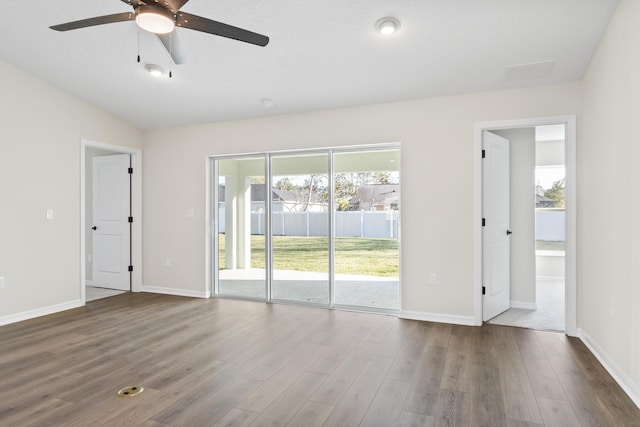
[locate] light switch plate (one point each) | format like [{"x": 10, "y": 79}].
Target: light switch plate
[
  {"x": 1, "y": 282},
  {"x": 49, "y": 213}
]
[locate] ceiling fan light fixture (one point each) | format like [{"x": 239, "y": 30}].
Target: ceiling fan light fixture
[
  {"x": 155, "y": 19},
  {"x": 154, "y": 70},
  {"x": 387, "y": 25}
]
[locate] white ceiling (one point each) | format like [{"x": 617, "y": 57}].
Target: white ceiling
[{"x": 322, "y": 54}]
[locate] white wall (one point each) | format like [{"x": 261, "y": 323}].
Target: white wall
[
  {"x": 609, "y": 197},
  {"x": 522, "y": 213},
  {"x": 40, "y": 131},
  {"x": 437, "y": 182}
]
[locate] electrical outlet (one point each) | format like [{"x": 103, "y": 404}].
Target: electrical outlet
[
  {"x": 191, "y": 213},
  {"x": 167, "y": 262},
  {"x": 433, "y": 279},
  {"x": 89, "y": 258},
  {"x": 1, "y": 282}
]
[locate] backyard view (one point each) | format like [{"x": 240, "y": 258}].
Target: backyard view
[
  {"x": 300, "y": 207},
  {"x": 550, "y": 208},
  {"x": 369, "y": 257}
]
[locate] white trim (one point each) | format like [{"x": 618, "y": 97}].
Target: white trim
[
  {"x": 208, "y": 229},
  {"x": 557, "y": 279},
  {"x": 438, "y": 318},
  {"x": 550, "y": 253},
  {"x": 175, "y": 291},
  {"x": 618, "y": 374},
  {"x": 43, "y": 311},
  {"x": 136, "y": 211},
  {"x": 570, "y": 218},
  {"x": 523, "y": 305}
]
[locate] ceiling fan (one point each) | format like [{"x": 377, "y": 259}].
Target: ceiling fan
[{"x": 162, "y": 16}]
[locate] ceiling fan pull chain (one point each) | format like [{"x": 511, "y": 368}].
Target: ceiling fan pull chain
[
  {"x": 170, "y": 54},
  {"x": 138, "y": 45}
]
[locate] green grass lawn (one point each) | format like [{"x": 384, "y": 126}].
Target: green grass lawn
[
  {"x": 353, "y": 255},
  {"x": 544, "y": 245}
]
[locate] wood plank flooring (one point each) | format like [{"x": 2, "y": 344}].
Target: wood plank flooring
[{"x": 234, "y": 363}]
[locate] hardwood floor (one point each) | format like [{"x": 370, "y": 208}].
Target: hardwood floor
[{"x": 233, "y": 363}]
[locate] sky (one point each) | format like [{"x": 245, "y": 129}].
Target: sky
[{"x": 546, "y": 176}]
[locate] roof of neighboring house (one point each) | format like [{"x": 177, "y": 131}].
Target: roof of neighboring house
[
  {"x": 542, "y": 200},
  {"x": 257, "y": 194},
  {"x": 376, "y": 195}
]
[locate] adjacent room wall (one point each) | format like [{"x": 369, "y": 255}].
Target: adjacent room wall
[
  {"x": 609, "y": 198},
  {"x": 40, "y": 131},
  {"x": 437, "y": 140},
  {"x": 522, "y": 154}
]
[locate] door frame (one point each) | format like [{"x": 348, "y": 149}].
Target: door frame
[
  {"x": 570, "y": 197},
  {"x": 136, "y": 211}
]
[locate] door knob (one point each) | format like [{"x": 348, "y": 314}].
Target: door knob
[
  {"x": 509, "y": 232},
  {"x": 94, "y": 228}
]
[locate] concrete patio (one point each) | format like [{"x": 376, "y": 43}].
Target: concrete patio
[{"x": 312, "y": 287}]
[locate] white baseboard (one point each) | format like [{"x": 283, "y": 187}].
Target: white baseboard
[
  {"x": 523, "y": 305},
  {"x": 627, "y": 384},
  {"x": 438, "y": 318},
  {"x": 177, "y": 292},
  {"x": 32, "y": 314}
]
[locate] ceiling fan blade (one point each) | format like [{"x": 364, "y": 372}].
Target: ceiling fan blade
[
  {"x": 172, "y": 44},
  {"x": 83, "y": 23},
  {"x": 198, "y": 23}
]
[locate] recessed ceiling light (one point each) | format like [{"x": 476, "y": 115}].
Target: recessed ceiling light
[
  {"x": 268, "y": 103},
  {"x": 387, "y": 26},
  {"x": 155, "y": 19},
  {"x": 154, "y": 70}
]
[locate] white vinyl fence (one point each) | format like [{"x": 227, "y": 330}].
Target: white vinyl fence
[
  {"x": 550, "y": 225},
  {"x": 347, "y": 224}
]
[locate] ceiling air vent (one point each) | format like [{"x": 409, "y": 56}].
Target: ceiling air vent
[{"x": 533, "y": 70}]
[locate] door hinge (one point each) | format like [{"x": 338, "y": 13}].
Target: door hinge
[
  {"x": 484, "y": 222},
  {"x": 131, "y": 268},
  {"x": 484, "y": 154},
  {"x": 130, "y": 170},
  {"x": 484, "y": 290},
  {"x": 130, "y": 219}
]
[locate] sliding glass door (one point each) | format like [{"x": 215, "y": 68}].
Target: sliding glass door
[
  {"x": 300, "y": 228},
  {"x": 241, "y": 243},
  {"x": 316, "y": 227},
  {"x": 367, "y": 213}
]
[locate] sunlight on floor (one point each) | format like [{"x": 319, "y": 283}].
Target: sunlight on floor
[{"x": 93, "y": 293}]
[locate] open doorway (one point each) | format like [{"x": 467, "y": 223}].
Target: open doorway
[
  {"x": 541, "y": 239},
  {"x": 110, "y": 220}
]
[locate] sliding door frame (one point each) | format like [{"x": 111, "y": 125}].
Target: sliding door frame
[{"x": 212, "y": 245}]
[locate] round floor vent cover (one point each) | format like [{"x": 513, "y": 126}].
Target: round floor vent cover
[{"x": 130, "y": 391}]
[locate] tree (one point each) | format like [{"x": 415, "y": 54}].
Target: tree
[
  {"x": 556, "y": 193},
  {"x": 284, "y": 184}
]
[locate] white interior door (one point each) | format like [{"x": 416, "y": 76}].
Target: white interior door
[
  {"x": 110, "y": 228},
  {"x": 495, "y": 232}
]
